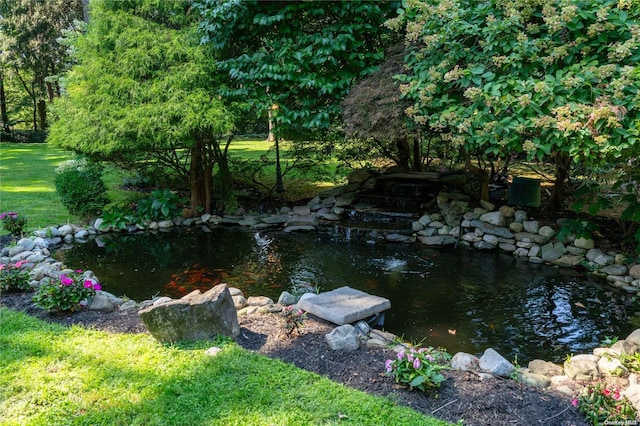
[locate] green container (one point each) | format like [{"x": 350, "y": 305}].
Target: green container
[{"x": 524, "y": 192}]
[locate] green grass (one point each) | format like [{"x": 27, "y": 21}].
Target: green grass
[
  {"x": 52, "y": 375},
  {"x": 27, "y": 173}
]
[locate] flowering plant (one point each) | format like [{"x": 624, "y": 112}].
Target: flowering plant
[
  {"x": 602, "y": 405},
  {"x": 419, "y": 368},
  {"x": 69, "y": 293},
  {"x": 13, "y": 277},
  {"x": 13, "y": 222},
  {"x": 293, "y": 319}
]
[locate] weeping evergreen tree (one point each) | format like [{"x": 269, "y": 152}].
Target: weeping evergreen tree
[{"x": 143, "y": 87}]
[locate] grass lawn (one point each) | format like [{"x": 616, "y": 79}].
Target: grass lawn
[
  {"x": 52, "y": 375},
  {"x": 27, "y": 173}
]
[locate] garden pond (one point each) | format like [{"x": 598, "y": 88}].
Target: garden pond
[{"x": 463, "y": 300}]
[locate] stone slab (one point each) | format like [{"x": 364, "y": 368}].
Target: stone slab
[{"x": 344, "y": 305}]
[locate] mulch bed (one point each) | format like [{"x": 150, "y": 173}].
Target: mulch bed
[{"x": 463, "y": 395}]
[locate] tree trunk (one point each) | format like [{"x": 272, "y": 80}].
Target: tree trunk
[
  {"x": 42, "y": 114},
  {"x": 417, "y": 154},
  {"x": 3, "y": 106},
  {"x": 404, "y": 153},
  {"x": 272, "y": 136},
  {"x": 196, "y": 178},
  {"x": 563, "y": 166}
]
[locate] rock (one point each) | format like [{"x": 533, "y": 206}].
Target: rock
[
  {"x": 464, "y": 361},
  {"x": 582, "y": 367},
  {"x": 488, "y": 228},
  {"x": 614, "y": 270},
  {"x": 344, "y": 337},
  {"x": 609, "y": 366},
  {"x": 632, "y": 393},
  {"x": 552, "y": 251},
  {"x": 520, "y": 216},
  {"x": 417, "y": 226},
  {"x": 239, "y": 301},
  {"x": 27, "y": 243},
  {"x": 287, "y": 298},
  {"x": 634, "y": 338},
  {"x": 197, "y": 318},
  {"x": 129, "y": 305},
  {"x": 507, "y": 211},
  {"x": 164, "y": 224},
  {"x": 440, "y": 240},
  {"x": 213, "y": 351},
  {"x": 426, "y": 220},
  {"x": 385, "y": 336},
  {"x": 376, "y": 343},
  {"x": 494, "y": 363},
  {"x": 546, "y": 368},
  {"x": 494, "y": 218},
  {"x": 488, "y": 206},
  {"x": 532, "y": 226},
  {"x": 105, "y": 302},
  {"x": 516, "y": 227},
  {"x": 301, "y": 228},
  {"x": 568, "y": 260},
  {"x": 161, "y": 300},
  {"x": 547, "y": 232},
  {"x": 584, "y": 243},
  {"x": 634, "y": 271},
  {"x": 259, "y": 301},
  {"x": 535, "y": 380}
]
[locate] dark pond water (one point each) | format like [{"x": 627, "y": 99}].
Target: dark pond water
[{"x": 461, "y": 299}]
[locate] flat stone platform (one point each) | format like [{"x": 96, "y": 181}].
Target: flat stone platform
[{"x": 344, "y": 305}]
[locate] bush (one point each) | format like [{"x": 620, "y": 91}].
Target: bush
[
  {"x": 161, "y": 204},
  {"x": 419, "y": 369},
  {"x": 602, "y": 405},
  {"x": 13, "y": 222},
  {"x": 13, "y": 277},
  {"x": 69, "y": 293},
  {"x": 81, "y": 188}
]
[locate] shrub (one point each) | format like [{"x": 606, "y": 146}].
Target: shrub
[
  {"x": 161, "y": 204},
  {"x": 69, "y": 293},
  {"x": 81, "y": 188},
  {"x": 602, "y": 405},
  {"x": 293, "y": 319},
  {"x": 13, "y": 222},
  {"x": 13, "y": 277},
  {"x": 419, "y": 368}
]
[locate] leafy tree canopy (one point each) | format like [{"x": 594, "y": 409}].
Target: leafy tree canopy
[
  {"x": 534, "y": 76},
  {"x": 143, "y": 82},
  {"x": 300, "y": 56}
]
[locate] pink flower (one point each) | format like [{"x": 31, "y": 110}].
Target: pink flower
[
  {"x": 606, "y": 392},
  {"x": 2, "y": 265},
  {"x": 65, "y": 280},
  {"x": 97, "y": 287},
  {"x": 88, "y": 284},
  {"x": 616, "y": 394},
  {"x": 400, "y": 355},
  {"x": 20, "y": 263},
  {"x": 410, "y": 357},
  {"x": 78, "y": 271},
  {"x": 416, "y": 364},
  {"x": 574, "y": 402},
  {"x": 388, "y": 365}
]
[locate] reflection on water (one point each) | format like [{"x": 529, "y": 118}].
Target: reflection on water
[{"x": 463, "y": 300}]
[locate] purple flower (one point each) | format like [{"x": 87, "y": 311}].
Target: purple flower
[
  {"x": 97, "y": 287},
  {"x": 65, "y": 280},
  {"x": 79, "y": 271},
  {"x": 88, "y": 284},
  {"x": 388, "y": 365},
  {"x": 416, "y": 363},
  {"x": 400, "y": 355},
  {"x": 430, "y": 358},
  {"x": 410, "y": 357}
]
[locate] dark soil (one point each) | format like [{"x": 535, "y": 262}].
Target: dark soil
[{"x": 462, "y": 396}]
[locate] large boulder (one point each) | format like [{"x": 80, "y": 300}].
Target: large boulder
[{"x": 194, "y": 317}]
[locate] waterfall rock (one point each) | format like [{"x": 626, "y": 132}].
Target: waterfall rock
[{"x": 194, "y": 317}]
